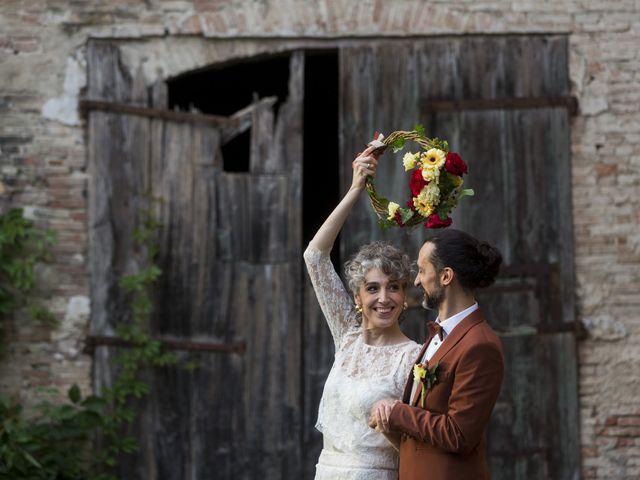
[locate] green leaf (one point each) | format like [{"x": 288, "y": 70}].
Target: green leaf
[
  {"x": 405, "y": 214},
  {"x": 419, "y": 129},
  {"x": 466, "y": 192},
  {"x": 397, "y": 144},
  {"x": 74, "y": 394}
]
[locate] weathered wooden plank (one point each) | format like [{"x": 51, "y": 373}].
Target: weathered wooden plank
[
  {"x": 519, "y": 168},
  {"x": 117, "y": 154},
  {"x": 272, "y": 396},
  {"x": 532, "y": 430},
  {"x": 182, "y": 175},
  {"x": 484, "y": 67},
  {"x": 262, "y": 156},
  {"x": 378, "y": 92},
  {"x": 289, "y": 152},
  {"x": 107, "y": 78},
  {"x": 254, "y": 218},
  {"x": 519, "y": 175}
]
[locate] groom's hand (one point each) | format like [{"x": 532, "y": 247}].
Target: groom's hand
[{"x": 380, "y": 413}]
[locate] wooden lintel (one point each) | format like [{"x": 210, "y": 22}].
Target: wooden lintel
[
  {"x": 515, "y": 103},
  {"x": 94, "y": 341},
  {"x": 186, "y": 117}
]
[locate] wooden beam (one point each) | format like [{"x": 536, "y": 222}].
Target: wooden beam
[
  {"x": 515, "y": 103},
  {"x": 186, "y": 117}
]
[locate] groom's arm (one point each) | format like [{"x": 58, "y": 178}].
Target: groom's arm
[{"x": 478, "y": 378}]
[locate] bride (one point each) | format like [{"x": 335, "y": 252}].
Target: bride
[{"x": 372, "y": 355}]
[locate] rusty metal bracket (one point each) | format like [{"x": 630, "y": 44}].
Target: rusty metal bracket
[
  {"x": 94, "y": 341},
  {"x": 87, "y": 106},
  {"x": 514, "y": 103}
]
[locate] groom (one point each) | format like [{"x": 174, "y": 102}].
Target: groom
[{"x": 445, "y": 409}]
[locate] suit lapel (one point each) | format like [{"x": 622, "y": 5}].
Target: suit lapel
[{"x": 460, "y": 331}]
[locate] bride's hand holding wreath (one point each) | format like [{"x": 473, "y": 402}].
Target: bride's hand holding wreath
[{"x": 364, "y": 166}]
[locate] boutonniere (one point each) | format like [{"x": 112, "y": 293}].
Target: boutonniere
[{"x": 427, "y": 377}]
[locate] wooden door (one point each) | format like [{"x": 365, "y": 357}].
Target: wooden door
[
  {"x": 520, "y": 169},
  {"x": 231, "y": 262}
]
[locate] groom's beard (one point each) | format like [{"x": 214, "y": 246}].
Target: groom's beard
[{"x": 434, "y": 300}]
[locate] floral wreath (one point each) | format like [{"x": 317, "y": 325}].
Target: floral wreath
[{"x": 435, "y": 185}]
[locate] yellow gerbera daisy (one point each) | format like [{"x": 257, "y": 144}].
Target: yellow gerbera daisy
[
  {"x": 423, "y": 206},
  {"x": 434, "y": 158}
]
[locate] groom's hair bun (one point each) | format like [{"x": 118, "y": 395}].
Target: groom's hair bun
[{"x": 476, "y": 263}]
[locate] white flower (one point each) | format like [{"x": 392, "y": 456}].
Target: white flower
[
  {"x": 431, "y": 194},
  {"x": 409, "y": 161},
  {"x": 393, "y": 208},
  {"x": 431, "y": 174}
]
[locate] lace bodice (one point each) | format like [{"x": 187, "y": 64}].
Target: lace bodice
[{"x": 361, "y": 374}]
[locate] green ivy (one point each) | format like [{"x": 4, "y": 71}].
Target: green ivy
[
  {"x": 58, "y": 442},
  {"x": 22, "y": 246}
]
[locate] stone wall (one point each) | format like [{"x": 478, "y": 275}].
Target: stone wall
[{"x": 43, "y": 158}]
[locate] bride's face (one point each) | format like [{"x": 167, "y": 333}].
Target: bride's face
[{"x": 381, "y": 298}]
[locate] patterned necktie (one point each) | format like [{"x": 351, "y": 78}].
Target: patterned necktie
[{"x": 434, "y": 329}]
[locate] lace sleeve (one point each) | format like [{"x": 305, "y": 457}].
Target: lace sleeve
[{"x": 334, "y": 300}]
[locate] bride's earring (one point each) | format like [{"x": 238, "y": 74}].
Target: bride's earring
[
  {"x": 405, "y": 306},
  {"x": 359, "y": 309}
]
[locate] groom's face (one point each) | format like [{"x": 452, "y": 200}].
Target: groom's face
[{"x": 428, "y": 279}]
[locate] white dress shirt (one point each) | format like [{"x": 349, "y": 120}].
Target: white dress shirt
[{"x": 447, "y": 325}]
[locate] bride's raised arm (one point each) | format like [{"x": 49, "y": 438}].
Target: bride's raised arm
[
  {"x": 365, "y": 164},
  {"x": 334, "y": 300}
]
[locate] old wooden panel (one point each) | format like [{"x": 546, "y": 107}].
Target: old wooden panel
[
  {"x": 229, "y": 250},
  {"x": 182, "y": 177},
  {"x": 379, "y": 92},
  {"x": 118, "y": 152},
  {"x": 519, "y": 164},
  {"x": 519, "y": 168},
  {"x": 523, "y": 181},
  {"x": 107, "y": 78},
  {"x": 470, "y": 67},
  {"x": 542, "y": 378}
]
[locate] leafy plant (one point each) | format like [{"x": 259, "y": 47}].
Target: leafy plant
[
  {"x": 53, "y": 444},
  {"x": 56, "y": 442},
  {"x": 22, "y": 246}
]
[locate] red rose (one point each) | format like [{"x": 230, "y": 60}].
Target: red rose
[
  {"x": 417, "y": 183},
  {"x": 434, "y": 221},
  {"x": 411, "y": 205},
  {"x": 454, "y": 164},
  {"x": 398, "y": 219}
]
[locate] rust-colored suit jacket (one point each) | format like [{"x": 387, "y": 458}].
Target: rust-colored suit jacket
[{"x": 445, "y": 440}]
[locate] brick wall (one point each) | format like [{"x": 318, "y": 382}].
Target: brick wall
[{"x": 43, "y": 161}]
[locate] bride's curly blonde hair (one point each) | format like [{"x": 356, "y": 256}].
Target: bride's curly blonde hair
[{"x": 390, "y": 260}]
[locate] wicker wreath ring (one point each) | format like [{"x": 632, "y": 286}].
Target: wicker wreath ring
[{"x": 435, "y": 185}]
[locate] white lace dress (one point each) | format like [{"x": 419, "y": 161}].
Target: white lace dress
[{"x": 361, "y": 374}]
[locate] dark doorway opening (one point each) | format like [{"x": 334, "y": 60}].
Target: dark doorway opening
[
  {"x": 225, "y": 89},
  {"x": 321, "y": 181}
]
